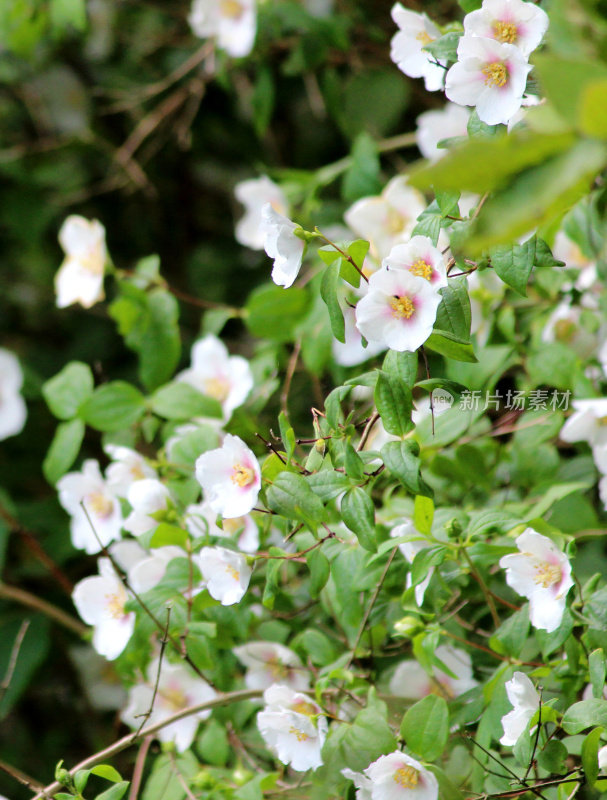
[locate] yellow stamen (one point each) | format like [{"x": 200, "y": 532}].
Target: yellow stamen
[
  {"x": 301, "y": 707},
  {"x": 137, "y": 472},
  {"x": 424, "y": 38},
  {"x": 242, "y": 476},
  {"x": 402, "y": 307},
  {"x": 231, "y": 9},
  {"x": 233, "y": 573},
  {"x": 277, "y": 669},
  {"x": 233, "y": 525},
  {"x": 217, "y": 388},
  {"x": 602, "y": 421},
  {"x": 175, "y": 698},
  {"x": 101, "y": 505},
  {"x": 115, "y": 605},
  {"x": 505, "y": 32},
  {"x": 395, "y": 222},
  {"x": 547, "y": 575},
  {"x": 496, "y": 74},
  {"x": 301, "y": 736},
  {"x": 421, "y": 268},
  {"x": 406, "y": 777}
]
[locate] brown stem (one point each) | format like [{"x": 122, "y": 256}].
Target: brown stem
[
  {"x": 368, "y": 428},
  {"x": 343, "y": 254},
  {"x": 478, "y": 577},
  {"x": 22, "y": 777},
  {"x": 12, "y": 662},
  {"x": 48, "y": 609},
  {"x": 139, "y": 766},
  {"x": 284, "y": 395}
]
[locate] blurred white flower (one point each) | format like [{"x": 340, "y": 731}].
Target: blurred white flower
[
  {"x": 214, "y": 372},
  {"x": 541, "y": 573},
  {"x": 588, "y": 423},
  {"x": 397, "y": 776},
  {"x": 94, "y": 508},
  {"x": 398, "y": 310},
  {"x": 566, "y": 324},
  {"x": 523, "y": 696},
  {"x": 254, "y": 194},
  {"x": 419, "y": 257},
  {"x": 602, "y": 757},
  {"x": 230, "y": 477},
  {"x": 416, "y": 31},
  {"x": 362, "y": 784},
  {"x": 149, "y": 571},
  {"x": 232, "y": 22},
  {"x": 293, "y": 727},
  {"x": 268, "y": 663},
  {"x": 127, "y": 467},
  {"x": 100, "y": 601},
  {"x": 13, "y": 411},
  {"x": 281, "y": 244},
  {"x": 200, "y": 521},
  {"x": 225, "y": 572},
  {"x": 434, "y": 126},
  {"x": 411, "y": 680},
  {"x": 351, "y": 352},
  {"x": 178, "y": 688},
  {"x": 80, "y": 277},
  {"x": 489, "y": 75},
  {"x": 146, "y": 497},
  {"x": 386, "y": 219},
  {"x": 508, "y": 21},
  {"x": 98, "y": 679},
  {"x": 410, "y": 549}
]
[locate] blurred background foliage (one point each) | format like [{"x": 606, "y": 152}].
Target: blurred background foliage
[{"x": 113, "y": 109}]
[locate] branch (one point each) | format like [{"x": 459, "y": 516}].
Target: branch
[{"x": 48, "y": 609}]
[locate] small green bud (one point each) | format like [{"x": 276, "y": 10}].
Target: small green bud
[
  {"x": 408, "y": 626},
  {"x": 453, "y": 528}
]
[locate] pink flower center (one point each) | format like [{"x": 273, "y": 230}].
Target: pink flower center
[
  {"x": 406, "y": 777},
  {"x": 402, "y": 307},
  {"x": 505, "y": 32},
  {"x": 547, "y": 575},
  {"x": 242, "y": 476},
  {"x": 301, "y": 736},
  {"x": 496, "y": 74},
  {"x": 421, "y": 268}
]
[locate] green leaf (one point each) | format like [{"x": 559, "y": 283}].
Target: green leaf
[
  {"x": 286, "y": 434},
  {"x": 429, "y": 223},
  {"x": 482, "y": 165},
  {"x": 445, "y": 47},
  {"x": 272, "y": 312},
  {"x": 358, "y": 744},
  {"x": 81, "y": 779},
  {"x": 64, "y": 449},
  {"x": 592, "y": 111},
  {"x": 590, "y": 760},
  {"x": 318, "y": 564},
  {"x": 425, "y": 727},
  {"x": 108, "y": 772},
  {"x": 402, "y": 461},
  {"x": 564, "y": 81},
  {"x": 510, "y": 637},
  {"x": 543, "y": 255},
  {"x": 291, "y": 496},
  {"x": 480, "y": 130},
  {"x": 67, "y": 391},
  {"x": 585, "y": 714},
  {"x": 179, "y": 400},
  {"x": 513, "y": 263},
  {"x": 424, "y": 560},
  {"x": 328, "y": 484},
  {"x": 186, "y": 450},
  {"x": 596, "y": 670},
  {"x": 67, "y": 13},
  {"x": 262, "y": 100},
  {"x": 553, "y": 758},
  {"x": 328, "y": 292},
  {"x": 446, "y": 344},
  {"x": 555, "y": 493},
  {"x": 355, "y": 469},
  {"x": 401, "y": 365},
  {"x": 453, "y": 315},
  {"x": 446, "y": 789},
  {"x": 358, "y": 513},
  {"x": 115, "y": 792},
  {"x": 447, "y": 201},
  {"x": 166, "y": 534},
  {"x": 113, "y": 406},
  {"x": 361, "y": 179},
  {"x": 394, "y": 403},
  {"x": 423, "y": 514}
]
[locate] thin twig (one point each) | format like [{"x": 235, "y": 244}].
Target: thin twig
[
  {"x": 48, "y": 609},
  {"x": 12, "y": 661},
  {"x": 342, "y": 253},
  {"x": 368, "y": 428},
  {"x": 478, "y": 577},
  {"x": 291, "y": 366},
  {"x": 139, "y": 766},
  {"x": 32, "y": 784},
  {"x": 163, "y": 644}
]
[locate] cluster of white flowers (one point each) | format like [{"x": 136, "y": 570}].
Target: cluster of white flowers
[{"x": 80, "y": 277}]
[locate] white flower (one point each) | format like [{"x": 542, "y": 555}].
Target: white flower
[
  {"x": 94, "y": 508},
  {"x": 149, "y": 571},
  {"x": 232, "y": 22},
  {"x": 541, "y": 573},
  {"x": 80, "y": 277},
  {"x": 386, "y": 219},
  {"x": 127, "y": 467},
  {"x": 268, "y": 663},
  {"x": 410, "y": 679},
  {"x": 362, "y": 784},
  {"x": 434, "y": 126},
  {"x": 254, "y": 194},
  {"x": 178, "y": 688},
  {"x": 523, "y": 696},
  {"x": 100, "y": 601},
  {"x": 225, "y": 572},
  {"x": 146, "y": 497},
  {"x": 566, "y": 324},
  {"x": 293, "y": 727},
  {"x": 214, "y": 372},
  {"x": 602, "y": 757},
  {"x": 99, "y": 682},
  {"x": 230, "y": 477},
  {"x": 489, "y": 75},
  {"x": 416, "y": 31},
  {"x": 281, "y": 244},
  {"x": 398, "y": 310},
  {"x": 200, "y": 521},
  {"x": 587, "y": 424},
  {"x": 510, "y": 21},
  {"x": 421, "y": 258},
  {"x": 410, "y": 549},
  {"x": 12, "y": 406},
  {"x": 397, "y": 776},
  {"x": 351, "y": 352}
]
